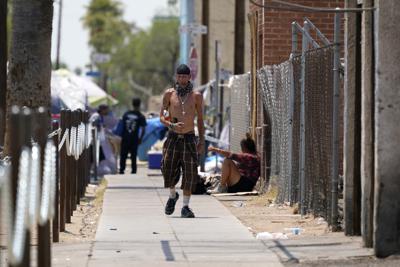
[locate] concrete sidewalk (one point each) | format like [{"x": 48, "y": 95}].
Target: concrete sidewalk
[{"x": 134, "y": 231}]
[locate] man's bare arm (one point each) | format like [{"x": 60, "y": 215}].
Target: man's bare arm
[{"x": 165, "y": 106}]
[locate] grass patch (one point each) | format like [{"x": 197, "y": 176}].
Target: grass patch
[{"x": 100, "y": 192}]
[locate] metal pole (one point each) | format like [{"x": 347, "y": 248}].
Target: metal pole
[
  {"x": 291, "y": 107},
  {"x": 186, "y": 18},
  {"x": 216, "y": 98},
  {"x": 302, "y": 122},
  {"x": 335, "y": 124},
  {"x": 59, "y": 33},
  {"x": 294, "y": 39}
]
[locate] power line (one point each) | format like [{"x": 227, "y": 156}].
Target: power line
[{"x": 283, "y": 5}]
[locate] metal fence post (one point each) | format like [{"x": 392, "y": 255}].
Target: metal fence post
[
  {"x": 335, "y": 124},
  {"x": 302, "y": 155},
  {"x": 291, "y": 107}
]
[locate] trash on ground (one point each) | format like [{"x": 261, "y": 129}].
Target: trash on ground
[
  {"x": 238, "y": 204},
  {"x": 295, "y": 230},
  {"x": 271, "y": 236}
]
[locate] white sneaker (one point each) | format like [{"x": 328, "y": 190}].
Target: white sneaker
[{"x": 218, "y": 190}]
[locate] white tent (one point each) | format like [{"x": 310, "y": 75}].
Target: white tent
[
  {"x": 69, "y": 93},
  {"x": 75, "y": 92},
  {"x": 96, "y": 95}
]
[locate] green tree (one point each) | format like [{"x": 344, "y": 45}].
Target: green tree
[
  {"x": 147, "y": 61},
  {"x": 142, "y": 61},
  {"x": 107, "y": 31}
]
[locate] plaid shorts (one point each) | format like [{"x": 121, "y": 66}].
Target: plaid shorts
[{"x": 180, "y": 153}]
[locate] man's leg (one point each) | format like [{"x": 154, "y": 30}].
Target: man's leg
[
  {"x": 170, "y": 168},
  {"x": 230, "y": 173},
  {"x": 186, "y": 212},
  {"x": 190, "y": 176},
  {"x": 133, "y": 152},
  {"x": 123, "y": 156}
]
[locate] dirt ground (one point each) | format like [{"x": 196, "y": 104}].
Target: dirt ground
[
  {"x": 259, "y": 214},
  {"x": 84, "y": 222}
]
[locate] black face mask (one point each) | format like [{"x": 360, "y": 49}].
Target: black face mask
[{"x": 183, "y": 91}]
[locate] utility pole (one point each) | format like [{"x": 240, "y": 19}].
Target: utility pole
[
  {"x": 240, "y": 6},
  {"x": 205, "y": 20},
  {"x": 216, "y": 89},
  {"x": 3, "y": 68},
  {"x": 60, "y": 7},
  {"x": 186, "y": 19}
]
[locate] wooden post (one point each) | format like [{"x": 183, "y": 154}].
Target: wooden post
[
  {"x": 63, "y": 173},
  {"x": 68, "y": 175},
  {"x": 94, "y": 152},
  {"x": 44, "y": 240},
  {"x": 352, "y": 135},
  {"x": 253, "y": 20},
  {"x": 205, "y": 41},
  {"x": 20, "y": 125},
  {"x": 367, "y": 124},
  {"x": 56, "y": 220},
  {"x": 240, "y": 9},
  {"x": 73, "y": 170}
]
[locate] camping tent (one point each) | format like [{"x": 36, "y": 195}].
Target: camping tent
[
  {"x": 155, "y": 131},
  {"x": 96, "y": 95},
  {"x": 65, "y": 93},
  {"x": 69, "y": 90}
]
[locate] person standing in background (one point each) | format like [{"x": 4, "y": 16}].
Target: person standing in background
[{"x": 132, "y": 122}]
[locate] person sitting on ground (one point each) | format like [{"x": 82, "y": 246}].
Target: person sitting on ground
[{"x": 240, "y": 171}]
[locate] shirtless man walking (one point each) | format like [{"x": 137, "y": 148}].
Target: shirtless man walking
[{"x": 181, "y": 149}]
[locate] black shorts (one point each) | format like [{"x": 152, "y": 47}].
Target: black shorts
[{"x": 244, "y": 185}]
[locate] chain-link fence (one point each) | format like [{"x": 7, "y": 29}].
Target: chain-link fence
[
  {"x": 275, "y": 83},
  {"x": 281, "y": 92},
  {"x": 240, "y": 109}
]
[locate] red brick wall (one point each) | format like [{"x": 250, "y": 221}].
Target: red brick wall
[{"x": 275, "y": 31}]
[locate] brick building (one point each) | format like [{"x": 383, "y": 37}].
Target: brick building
[
  {"x": 274, "y": 28},
  {"x": 273, "y": 45}
]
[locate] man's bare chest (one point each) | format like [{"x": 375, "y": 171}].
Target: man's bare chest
[{"x": 178, "y": 102}]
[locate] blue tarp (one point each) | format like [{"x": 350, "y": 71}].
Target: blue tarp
[{"x": 155, "y": 131}]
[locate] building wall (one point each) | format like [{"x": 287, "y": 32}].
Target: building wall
[{"x": 275, "y": 32}]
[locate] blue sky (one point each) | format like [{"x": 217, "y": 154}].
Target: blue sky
[{"x": 74, "y": 49}]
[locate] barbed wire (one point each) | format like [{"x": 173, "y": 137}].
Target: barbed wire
[{"x": 286, "y": 6}]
